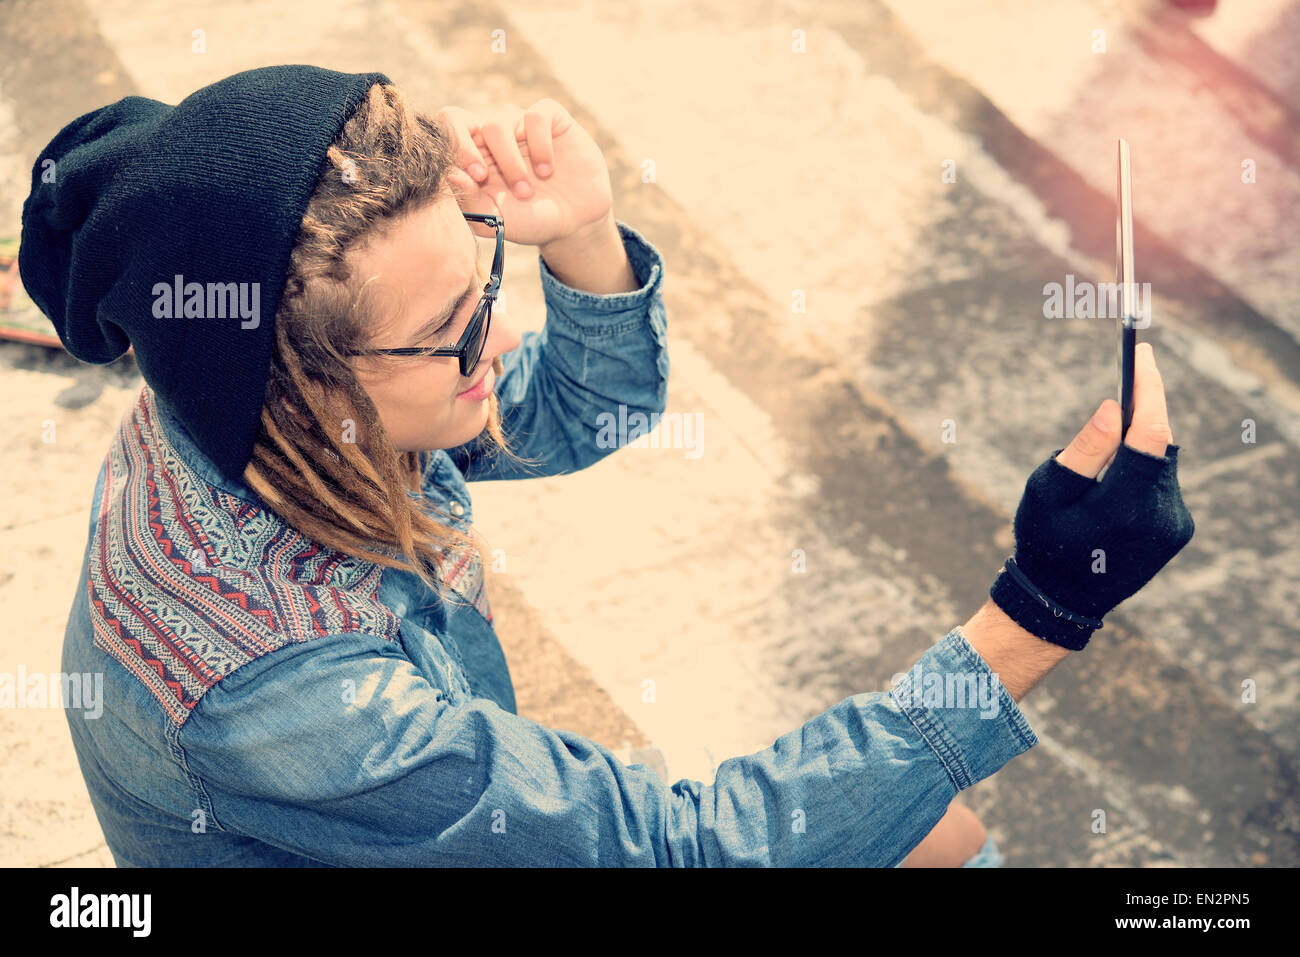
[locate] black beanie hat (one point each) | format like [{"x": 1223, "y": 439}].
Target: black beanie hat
[{"x": 212, "y": 190}]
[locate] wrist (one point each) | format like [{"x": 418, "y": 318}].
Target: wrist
[
  {"x": 592, "y": 258},
  {"x": 598, "y": 234},
  {"x": 1017, "y": 656}
]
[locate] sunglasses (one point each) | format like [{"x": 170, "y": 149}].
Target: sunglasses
[{"x": 470, "y": 347}]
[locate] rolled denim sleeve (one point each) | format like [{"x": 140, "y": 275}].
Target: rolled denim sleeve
[
  {"x": 399, "y": 776},
  {"x": 594, "y": 354}
]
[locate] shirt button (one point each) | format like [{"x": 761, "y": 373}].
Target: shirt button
[
  {"x": 400, "y": 608},
  {"x": 457, "y": 509}
]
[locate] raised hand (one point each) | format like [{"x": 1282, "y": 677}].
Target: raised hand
[{"x": 537, "y": 168}]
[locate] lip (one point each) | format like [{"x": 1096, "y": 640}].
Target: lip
[{"x": 481, "y": 389}]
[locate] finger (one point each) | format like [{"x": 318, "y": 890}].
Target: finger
[
  {"x": 1149, "y": 431},
  {"x": 1095, "y": 443},
  {"x": 1106, "y": 465},
  {"x": 499, "y": 134},
  {"x": 537, "y": 129},
  {"x": 461, "y": 183},
  {"x": 461, "y": 125}
]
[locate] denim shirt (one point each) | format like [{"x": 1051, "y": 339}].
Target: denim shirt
[{"x": 271, "y": 702}]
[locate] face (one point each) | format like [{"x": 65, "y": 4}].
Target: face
[{"x": 417, "y": 272}]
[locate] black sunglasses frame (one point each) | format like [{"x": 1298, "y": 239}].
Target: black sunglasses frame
[{"x": 470, "y": 347}]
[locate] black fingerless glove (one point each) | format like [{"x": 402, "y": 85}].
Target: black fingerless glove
[{"x": 1069, "y": 528}]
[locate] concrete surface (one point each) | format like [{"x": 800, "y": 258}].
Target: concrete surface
[{"x": 819, "y": 172}]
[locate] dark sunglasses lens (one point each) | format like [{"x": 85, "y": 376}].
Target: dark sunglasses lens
[{"x": 474, "y": 348}]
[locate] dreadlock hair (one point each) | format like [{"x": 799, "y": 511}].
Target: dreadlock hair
[{"x": 322, "y": 459}]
